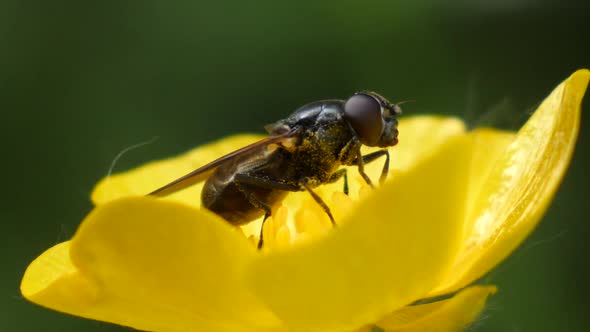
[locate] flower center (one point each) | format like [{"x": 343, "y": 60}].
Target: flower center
[{"x": 300, "y": 218}]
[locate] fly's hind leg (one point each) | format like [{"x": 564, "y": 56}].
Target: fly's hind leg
[
  {"x": 240, "y": 179},
  {"x": 259, "y": 204},
  {"x": 319, "y": 200},
  {"x": 261, "y": 236}
]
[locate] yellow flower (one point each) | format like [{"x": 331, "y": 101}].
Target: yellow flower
[{"x": 455, "y": 205}]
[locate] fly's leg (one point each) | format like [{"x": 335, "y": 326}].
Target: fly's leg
[
  {"x": 362, "y": 160},
  {"x": 336, "y": 176},
  {"x": 318, "y": 200},
  {"x": 374, "y": 155},
  {"x": 240, "y": 179},
  {"x": 259, "y": 204},
  {"x": 360, "y": 163},
  {"x": 261, "y": 238}
]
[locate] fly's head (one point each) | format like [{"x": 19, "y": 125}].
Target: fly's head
[{"x": 373, "y": 118}]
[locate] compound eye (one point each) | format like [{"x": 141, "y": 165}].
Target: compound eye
[{"x": 363, "y": 112}]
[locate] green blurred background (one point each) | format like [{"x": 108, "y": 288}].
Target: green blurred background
[{"x": 80, "y": 81}]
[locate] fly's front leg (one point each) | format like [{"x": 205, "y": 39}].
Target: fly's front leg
[
  {"x": 360, "y": 163},
  {"x": 241, "y": 179},
  {"x": 336, "y": 176},
  {"x": 373, "y": 156},
  {"x": 318, "y": 199},
  {"x": 362, "y": 160}
]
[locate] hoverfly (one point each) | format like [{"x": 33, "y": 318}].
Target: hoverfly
[{"x": 303, "y": 151}]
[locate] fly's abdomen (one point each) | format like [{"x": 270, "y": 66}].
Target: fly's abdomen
[{"x": 228, "y": 201}]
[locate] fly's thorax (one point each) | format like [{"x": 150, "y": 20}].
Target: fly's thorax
[{"x": 320, "y": 151}]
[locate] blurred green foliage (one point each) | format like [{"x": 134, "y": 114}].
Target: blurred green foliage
[{"x": 80, "y": 81}]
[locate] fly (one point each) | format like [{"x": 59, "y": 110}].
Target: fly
[{"x": 302, "y": 152}]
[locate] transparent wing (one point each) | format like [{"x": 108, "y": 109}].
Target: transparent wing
[{"x": 204, "y": 172}]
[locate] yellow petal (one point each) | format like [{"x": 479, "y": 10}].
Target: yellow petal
[
  {"x": 54, "y": 268},
  {"x": 398, "y": 243},
  {"x": 420, "y": 138},
  {"x": 147, "y": 178},
  {"x": 152, "y": 265},
  {"x": 489, "y": 145},
  {"x": 522, "y": 183},
  {"x": 449, "y": 315}
]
